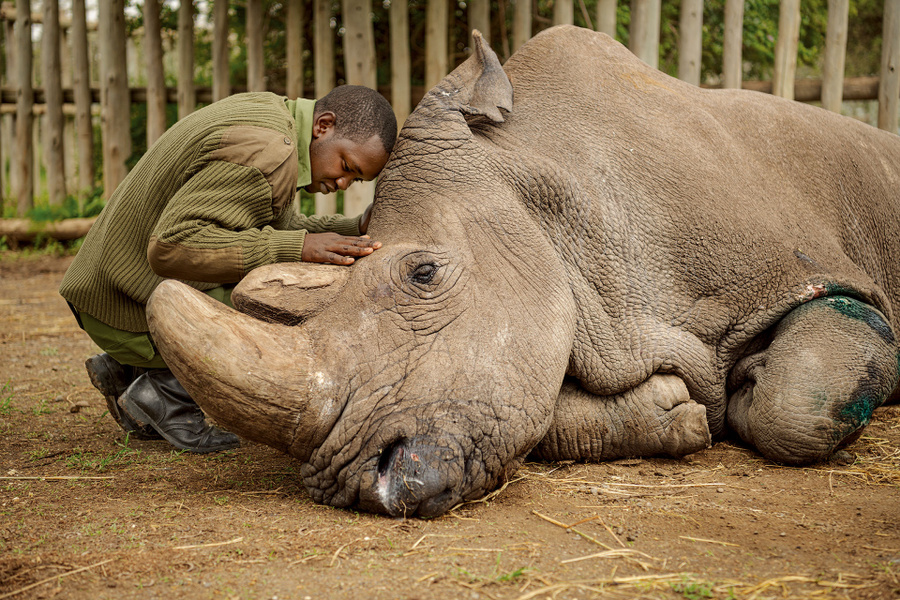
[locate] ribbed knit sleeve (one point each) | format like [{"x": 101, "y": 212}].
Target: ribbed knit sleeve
[
  {"x": 319, "y": 224},
  {"x": 216, "y": 228}
]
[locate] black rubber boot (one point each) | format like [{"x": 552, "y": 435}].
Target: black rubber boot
[
  {"x": 157, "y": 399},
  {"x": 112, "y": 379}
]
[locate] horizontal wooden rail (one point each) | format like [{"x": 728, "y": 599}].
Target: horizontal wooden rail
[
  {"x": 810, "y": 90},
  {"x": 26, "y": 230},
  {"x": 805, "y": 90},
  {"x": 139, "y": 95}
]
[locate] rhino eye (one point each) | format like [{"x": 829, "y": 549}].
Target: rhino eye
[{"x": 423, "y": 273}]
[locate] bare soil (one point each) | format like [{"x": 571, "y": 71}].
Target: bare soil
[{"x": 85, "y": 515}]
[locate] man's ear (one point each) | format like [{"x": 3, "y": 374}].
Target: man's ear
[{"x": 323, "y": 123}]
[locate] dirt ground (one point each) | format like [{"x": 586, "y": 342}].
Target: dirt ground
[{"x": 85, "y": 516}]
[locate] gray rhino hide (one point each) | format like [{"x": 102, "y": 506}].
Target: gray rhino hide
[{"x": 596, "y": 262}]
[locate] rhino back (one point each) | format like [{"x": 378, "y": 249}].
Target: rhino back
[{"x": 708, "y": 214}]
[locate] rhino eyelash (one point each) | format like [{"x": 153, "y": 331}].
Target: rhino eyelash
[{"x": 423, "y": 274}]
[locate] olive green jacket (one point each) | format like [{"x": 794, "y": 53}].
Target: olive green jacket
[{"x": 210, "y": 201}]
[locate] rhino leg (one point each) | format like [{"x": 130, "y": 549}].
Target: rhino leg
[
  {"x": 656, "y": 417},
  {"x": 830, "y": 364}
]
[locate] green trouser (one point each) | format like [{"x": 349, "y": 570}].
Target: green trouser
[{"x": 128, "y": 347}]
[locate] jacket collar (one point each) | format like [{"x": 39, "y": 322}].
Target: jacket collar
[{"x": 302, "y": 109}]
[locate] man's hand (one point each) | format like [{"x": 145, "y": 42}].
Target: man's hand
[{"x": 335, "y": 248}]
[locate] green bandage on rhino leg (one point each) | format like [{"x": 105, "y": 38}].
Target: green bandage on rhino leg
[
  {"x": 831, "y": 363},
  {"x": 656, "y": 417}
]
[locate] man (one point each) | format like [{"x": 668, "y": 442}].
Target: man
[{"x": 210, "y": 201}]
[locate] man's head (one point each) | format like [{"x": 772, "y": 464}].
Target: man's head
[{"x": 354, "y": 130}]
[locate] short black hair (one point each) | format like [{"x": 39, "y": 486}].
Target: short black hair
[{"x": 360, "y": 113}]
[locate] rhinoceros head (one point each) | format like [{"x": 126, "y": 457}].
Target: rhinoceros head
[{"x": 423, "y": 374}]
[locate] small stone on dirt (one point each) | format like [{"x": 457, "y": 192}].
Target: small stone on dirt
[{"x": 78, "y": 406}]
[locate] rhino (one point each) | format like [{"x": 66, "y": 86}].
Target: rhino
[{"x": 583, "y": 259}]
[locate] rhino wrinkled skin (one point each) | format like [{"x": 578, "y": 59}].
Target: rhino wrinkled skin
[{"x": 583, "y": 259}]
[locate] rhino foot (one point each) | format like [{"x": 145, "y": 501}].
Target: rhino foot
[
  {"x": 831, "y": 363},
  {"x": 656, "y": 417}
]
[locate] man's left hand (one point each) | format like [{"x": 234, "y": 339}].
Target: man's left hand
[{"x": 336, "y": 249}]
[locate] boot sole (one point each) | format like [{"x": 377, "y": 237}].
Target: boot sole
[{"x": 135, "y": 410}]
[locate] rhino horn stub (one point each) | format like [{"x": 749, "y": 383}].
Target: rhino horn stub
[
  {"x": 255, "y": 379},
  {"x": 289, "y": 293},
  {"x": 479, "y": 86}
]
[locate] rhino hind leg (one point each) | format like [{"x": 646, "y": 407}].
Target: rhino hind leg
[
  {"x": 656, "y": 417},
  {"x": 831, "y": 363}
]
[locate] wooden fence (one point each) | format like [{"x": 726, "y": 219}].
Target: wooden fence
[{"x": 69, "y": 101}]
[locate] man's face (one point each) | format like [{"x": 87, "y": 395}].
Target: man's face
[{"x": 336, "y": 162}]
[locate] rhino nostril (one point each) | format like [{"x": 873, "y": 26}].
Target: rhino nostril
[
  {"x": 392, "y": 454},
  {"x": 413, "y": 476}
]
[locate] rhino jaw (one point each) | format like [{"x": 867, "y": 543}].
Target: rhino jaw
[{"x": 256, "y": 379}]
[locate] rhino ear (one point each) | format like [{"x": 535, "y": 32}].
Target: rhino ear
[{"x": 479, "y": 86}]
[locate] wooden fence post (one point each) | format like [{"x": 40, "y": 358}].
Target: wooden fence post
[
  {"x": 889, "y": 89},
  {"x": 53, "y": 101},
  {"x": 359, "y": 66},
  {"x": 24, "y": 105},
  {"x": 480, "y": 19},
  {"x": 187, "y": 99},
  {"x": 606, "y": 17},
  {"x": 323, "y": 50},
  {"x": 436, "y": 42},
  {"x": 70, "y": 141},
  {"x": 4, "y": 142},
  {"x": 786, "y": 49},
  {"x": 293, "y": 30},
  {"x": 9, "y": 120},
  {"x": 521, "y": 23},
  {"x": 835, "y": 54},
  {"x": 84, "y": 123},
  {"x": 221, "y": 74},
  {"x": 401, "y": 97},
  {"x": 323, "y": 53},
  {"x": 115, "y": 98},
  {"x": 644, "y": 36},
  {"x": 256, "y": 70},
  {"x": 156, "y": 79},
  {"x": 563, "y": 12},
  {"x": 690, "y": 43},
  {"x": 732, "y": 71},
  {"x": 36, "y": 129}
]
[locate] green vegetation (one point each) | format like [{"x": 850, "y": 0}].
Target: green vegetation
[
  {"x": 41, "y": 246},
  {"x": 6, "y": 394},
  {"x": 71, "y": 208},
  {"x": 693, "y": 590},
  {"x": 83, "y": 461},
  {"x": 41, "y": 409},
  {"x": 512, "y": 575}
]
